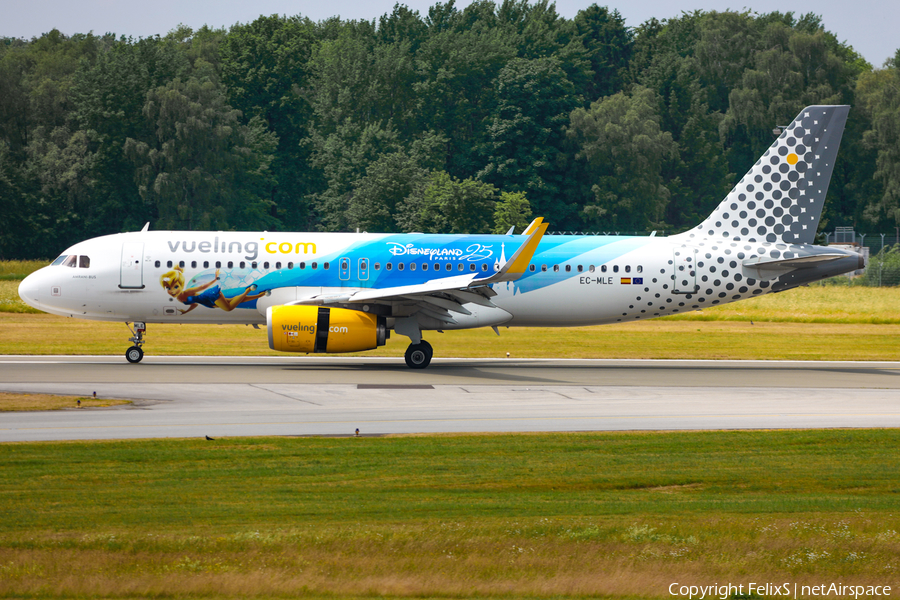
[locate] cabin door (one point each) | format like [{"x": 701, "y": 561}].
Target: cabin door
[{"x": 131, "y": 274}]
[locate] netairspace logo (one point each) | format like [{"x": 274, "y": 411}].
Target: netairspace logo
[{"x": 775, "y": 590}]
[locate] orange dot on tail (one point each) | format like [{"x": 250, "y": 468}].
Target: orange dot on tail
[{"x": 792, "y": 158}]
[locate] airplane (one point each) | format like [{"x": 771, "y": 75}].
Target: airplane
[{"x": 346, "y": 292}]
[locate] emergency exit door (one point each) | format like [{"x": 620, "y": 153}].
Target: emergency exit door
[{"x": 131, "y": 274}]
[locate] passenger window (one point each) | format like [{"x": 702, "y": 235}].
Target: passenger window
[
  {"x": 363, "y": 265},
  {"x": 290, "y": 266},
  {"x": 555, "y": 268},
  {"x": 315, "y": 265},
  {"x": 303, "y": 265},
  {"x": 640, "y": 269},
  {"x": 603, "y": 269},
  {"x": 253, "y": 265},
  {"x": 532, "y": 268},
  {"x": 243, "y": 265},
  {"x": 615, "y": 268},
  {"x": 449, "y": 267},
  {"x": 205, "y": 264},
  {"x": 389, "y": 266},
  {"x": 230, "y": 264},
  {"x": 580, "y": 268},
  {"x": 471, "y": 267},
  {"x": 412, "y": 266},
  {"x": 591, "y": 269},
  {"x": 157, "y": 264},
  {"x": 568, "y": 268},
  {"x": 377, "y": 266},
  {"x": 169, "y": 264},
  {"x": 543, "y": 268},
  {"x": 58, "y": 261},
  {"x": 266, "y": 265},
  {"x": 181, "y": 264},
  {"x": 326, "y": 266},
  {"x": 193, "y": 264},
  {"x": 344, "y": 265},
  {"x": 399, "y": 266},
  {"x": 424, "y": 266},
  {"x": 277, "y": 265},
  {"x": 484, "y": 266},
  {"x": 71, "y": 261},
  {"x": 218, "y": 264},
  {"x": 628, "y": 268},
  {"x": 84, "y": 262},
  {"x": 460, "y": 267}
]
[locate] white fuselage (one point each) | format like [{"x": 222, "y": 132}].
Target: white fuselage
[{"x": 571, "y": 280}]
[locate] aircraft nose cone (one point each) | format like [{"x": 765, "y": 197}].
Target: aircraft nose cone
[{"x": 29, "y": 291}]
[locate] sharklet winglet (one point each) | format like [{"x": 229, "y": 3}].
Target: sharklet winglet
[{"x": 518, "y": 262}]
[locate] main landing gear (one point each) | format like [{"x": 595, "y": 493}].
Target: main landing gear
[
  {"x": 135, "y": 354},
  {"x": 418, "y": 356}
]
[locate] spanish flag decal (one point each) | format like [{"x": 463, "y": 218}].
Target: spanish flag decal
[{"x": 626, "y": 281}]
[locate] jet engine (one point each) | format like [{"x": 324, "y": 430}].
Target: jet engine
[{"x": 323, "y": 329}]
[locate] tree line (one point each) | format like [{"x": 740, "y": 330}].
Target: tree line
[{"x": 458, "y": 120}]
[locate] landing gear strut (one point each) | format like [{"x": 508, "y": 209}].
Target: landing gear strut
[
  {"x": 135, "y": 354},
  {"x": 418, "y": 356}
]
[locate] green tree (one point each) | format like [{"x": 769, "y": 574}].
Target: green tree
[
  {"x": 342, "y": 157},
  {"x": 620, "y": 139},
  {"x": 456, "y": 91},
  {"x": 609, "y": 45},
  {"x": 513, "y": 210},
  {"x": 202, "y": 169},
  {"x": 525, "y": 149},
  {"x": 108, "y": 97},
  {"x": 15, "y": 225},
  {"x": 447, "y": 205},
  {"x": 265, "y": 68},
  {"x": 880, "y": 94},
  {"x": 375, "y": 201}
]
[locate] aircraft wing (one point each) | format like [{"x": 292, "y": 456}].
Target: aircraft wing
[{"x": 438, "y": 297}]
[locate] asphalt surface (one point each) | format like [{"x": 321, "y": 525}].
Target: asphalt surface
[{"x": 228, "y": 396}]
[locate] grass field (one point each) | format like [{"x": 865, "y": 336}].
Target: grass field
[
  {"x": 448, "y": 516},
  {"x": 21, "y": 402},
  {"x": 660, "y": 338}
]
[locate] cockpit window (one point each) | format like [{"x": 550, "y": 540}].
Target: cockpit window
[
  {"x": 58, "y": 261},
  {"x": 71, "y": 261},
  {"x": 84, "y": 262}
]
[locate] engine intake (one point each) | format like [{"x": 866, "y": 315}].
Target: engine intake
[{"x": 323, "y": 329}]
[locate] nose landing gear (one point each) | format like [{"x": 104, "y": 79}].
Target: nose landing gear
[
  {"x": 418, "y": 356},
  {"x": 135, "y": 354}
]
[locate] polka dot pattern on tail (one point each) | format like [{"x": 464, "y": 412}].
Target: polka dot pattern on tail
[{"x": 781, "y": 198}]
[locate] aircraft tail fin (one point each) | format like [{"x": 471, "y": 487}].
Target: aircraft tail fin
[{"x": 780, "y": 199}]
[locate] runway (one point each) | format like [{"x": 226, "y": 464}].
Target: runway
[{"x": 229, "y": 396}]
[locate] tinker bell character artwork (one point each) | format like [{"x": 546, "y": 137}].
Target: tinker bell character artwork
[{"x": 207, "y": 294}]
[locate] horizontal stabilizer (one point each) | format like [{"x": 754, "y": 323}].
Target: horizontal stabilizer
[
  {"x": 768, "y": 268},
  {"x": 798, "y": 262}
]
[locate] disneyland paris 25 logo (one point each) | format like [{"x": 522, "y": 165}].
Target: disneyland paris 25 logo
[{"x": 472, "y": 253}]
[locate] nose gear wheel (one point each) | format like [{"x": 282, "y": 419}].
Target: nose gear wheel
[{"x": 136, "y": 353}]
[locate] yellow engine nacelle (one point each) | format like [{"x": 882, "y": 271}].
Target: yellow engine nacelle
[{"x": 323, "y": 329}]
